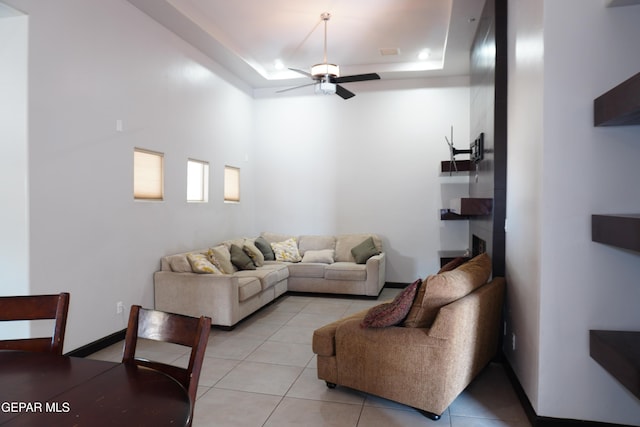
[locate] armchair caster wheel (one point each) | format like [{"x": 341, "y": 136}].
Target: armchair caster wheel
[
  {"x": 331, "y": 385},
  {"x": 429, "y": 415}
]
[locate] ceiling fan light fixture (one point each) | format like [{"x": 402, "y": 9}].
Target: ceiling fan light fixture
[
  {"x": 320, "y": 70},
  {"x": 325, "y": 88}
]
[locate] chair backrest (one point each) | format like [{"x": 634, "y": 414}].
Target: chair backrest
[
  {"x": 36, "y": 307},
  {"x": 172, "y": 328}
]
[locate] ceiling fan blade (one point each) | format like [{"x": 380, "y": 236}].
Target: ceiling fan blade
[
  {"x": 304, "y": 73},
  {"x": 344, "y": 93},
  {"x": 356, "y": 78},
  {"x": 295, "y": 87}
]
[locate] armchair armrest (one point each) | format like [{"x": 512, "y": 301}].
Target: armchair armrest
[{"x": 402, "y": 364}]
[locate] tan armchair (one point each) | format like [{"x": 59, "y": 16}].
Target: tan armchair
[{"x": 423, "y": 367}]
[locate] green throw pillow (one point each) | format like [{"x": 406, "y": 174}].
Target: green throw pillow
[
  {"x": 364, "y": 251},
  {"x": 240, "y": 259},
  {"x": 265, "y": 248}
]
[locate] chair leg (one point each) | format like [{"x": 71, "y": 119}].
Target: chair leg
[
  {"x": 430, "y": 415},
  {"x": 330, "y": 385}
]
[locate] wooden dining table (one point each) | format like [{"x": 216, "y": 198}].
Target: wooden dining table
[{"x": 42, "y": 389}]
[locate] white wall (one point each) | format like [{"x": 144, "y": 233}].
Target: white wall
[
  {"x": 558, "y": 277},
  {"x": 14, "y": 195},
  {"x": 91, "y": 64},
  {"x": 367, "y": 164},
  {"x": 372, "y": 161}
]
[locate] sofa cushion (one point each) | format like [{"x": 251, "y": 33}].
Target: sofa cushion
[
  {"x": 238, "y": 242},
  {"x": 391, "y": 313},
  {"x": 201, "y": 264},
  {"x": 441, "y": 289},
  {"x": 240, "y": 259},
  {"x": 267, "y": 277},
  {"x": 363, "y": 251},
  {"x": 265, "y": 248},
  {"x": 254, "y": 253},
  {"x": 324, "y": 256},
  {"x": 345, "y": 271},
  {"x": 286, "y": 250},
  {"x": 248, "y": 287},
  {"x": 275, "y": 237},
  {"x": 221, "y": 258},
  {"x": 279, "y": 268},
  {"x": 346, "y": 242},
  {"x": 314, "y": 243},
  {"x": 307, "y": 270},
  {"x": 179, "y": 263}
]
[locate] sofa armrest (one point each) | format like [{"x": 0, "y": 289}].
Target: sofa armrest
[
  {"x": 403, "y": 364},
  {"x": 376, "y": 274},
  {"x": 396, "y": 339},
  {"x": 191, "y": 294},
  {"x": 324, "y": 338}
]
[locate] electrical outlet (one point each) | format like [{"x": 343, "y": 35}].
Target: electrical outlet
[
  {"x": 119, "y": 307},
  {"x": 513, "y": 342}
]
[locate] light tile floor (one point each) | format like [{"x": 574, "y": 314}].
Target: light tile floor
[{"x": 263, "y": 373}]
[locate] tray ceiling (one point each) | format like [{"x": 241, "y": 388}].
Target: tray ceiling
[{"x": 259, "y": 40}]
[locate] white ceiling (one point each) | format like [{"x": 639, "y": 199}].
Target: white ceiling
[{"x": 247, "y": 37}]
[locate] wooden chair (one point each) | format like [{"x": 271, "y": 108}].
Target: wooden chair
[
  {"x": 173, "y": 328},
  {"x": 36, "y": 307}
]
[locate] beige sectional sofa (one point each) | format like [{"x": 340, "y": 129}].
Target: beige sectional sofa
[{"x": 324, "y": 264}]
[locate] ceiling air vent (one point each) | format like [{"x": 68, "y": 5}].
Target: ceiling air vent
[{"x": 389, "y": 51}]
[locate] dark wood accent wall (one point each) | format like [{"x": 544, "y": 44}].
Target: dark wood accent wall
[{"x": 489, "y": 116}]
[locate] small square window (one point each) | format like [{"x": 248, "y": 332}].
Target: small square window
[
  {"x": 197, "y": 181},
  {"x": 148, "y": 175},
  {"x": 231, "y": 184}
]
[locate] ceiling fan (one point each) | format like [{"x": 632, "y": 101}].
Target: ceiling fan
[{"x": 326, "y": 76}]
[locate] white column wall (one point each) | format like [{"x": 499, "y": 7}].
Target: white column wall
[
  {"x": 575, "y": 284},
  {"x": 524, "y": 173},
  {"x": 14, "y": 182}
]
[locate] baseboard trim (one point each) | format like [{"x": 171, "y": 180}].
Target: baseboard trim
[
  {"x": 538, "y": 421},
  {"x": 105, "y": 342},
  {"x": 98, "y": 345},
  {"x": 398, "y": 285}
]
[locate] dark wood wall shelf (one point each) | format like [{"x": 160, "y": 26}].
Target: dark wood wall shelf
[
  {"x": 618, "y": 352},
  {"x": 447, "y": 256},
  {"x": 449, "y": 215},
  {"x": 622, "y": 230},
  {"x": 620, "y": 106},
  {"x": 466, "y": 207}
]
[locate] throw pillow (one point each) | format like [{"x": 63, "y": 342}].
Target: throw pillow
[
  {"x": 254, "y": 253},
  {"x": 201, "y": 264},
  {"x": 441, "y": 289},
  {"x": 265, "y": 248},
  {"x": 179, "y": 263},
  {"x": 286, "y": 251},
  {"x": 391, "y": 313},
  {"x": 221, "y": 258},
  {"x": 240, "y": 259},
  {"x": 324, "y": 256},
  {"x": 364, "y": 251}
]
